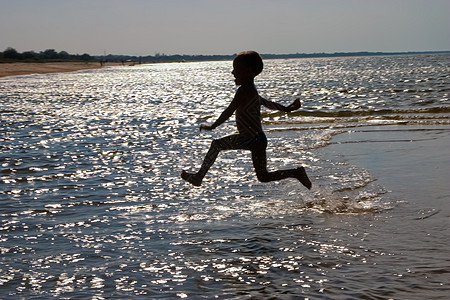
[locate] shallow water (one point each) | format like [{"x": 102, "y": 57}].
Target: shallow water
[{"x": 93, "y": 206}]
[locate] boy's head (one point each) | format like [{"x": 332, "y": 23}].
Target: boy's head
[{"x": 251, "y": 60}]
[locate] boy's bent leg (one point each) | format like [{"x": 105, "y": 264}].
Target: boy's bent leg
[
  {"x": 227, "y": 143},
  {"x": 260, "y": 165},
  {"x": 303, "y": 177},
  {"x": 260, "y": 162}
]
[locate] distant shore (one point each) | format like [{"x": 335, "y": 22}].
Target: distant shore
[
  {"x": 22, "y": 68},
  {"x": 18, "y": 68}
]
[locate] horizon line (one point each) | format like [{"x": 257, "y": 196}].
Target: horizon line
[{"x": 157, "y": 54}]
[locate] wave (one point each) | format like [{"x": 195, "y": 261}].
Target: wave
[
  {"x": 372, "y": 112},
  {"x": 356, "y": 118}
]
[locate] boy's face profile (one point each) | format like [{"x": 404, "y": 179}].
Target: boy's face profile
[{"x": 242, "y": 73}]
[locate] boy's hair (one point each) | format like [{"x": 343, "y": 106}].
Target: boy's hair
[{"x": 251, "y": 59}]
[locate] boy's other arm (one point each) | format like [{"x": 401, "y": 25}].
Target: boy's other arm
[{"x": 272, "y": 105}]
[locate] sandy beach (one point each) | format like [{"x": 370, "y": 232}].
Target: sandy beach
[{"x": 16, "y": 69}]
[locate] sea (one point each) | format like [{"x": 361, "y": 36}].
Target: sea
[{"x": 93, "y": 206}]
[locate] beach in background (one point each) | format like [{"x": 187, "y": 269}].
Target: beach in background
[
  {"x": 18, "y": 68},
  {"x": 93, "y": 205}
]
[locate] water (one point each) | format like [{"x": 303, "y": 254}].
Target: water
[{"x": 93, "y": 206}]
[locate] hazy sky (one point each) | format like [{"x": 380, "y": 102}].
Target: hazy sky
[{"x": 145, "y": 27}]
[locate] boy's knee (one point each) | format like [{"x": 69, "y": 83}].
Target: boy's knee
[
  {"x": 221, "y": 144},
  {"x": 263, "y": 176},
  {"x": 216, "y": 144}
]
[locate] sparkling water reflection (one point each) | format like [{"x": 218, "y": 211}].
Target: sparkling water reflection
[{"x": 93, "y": 206}]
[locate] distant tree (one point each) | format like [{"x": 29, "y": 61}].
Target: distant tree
[
  {"x": 30, "y": 55},
  {"x": 49, "y": 54},
  {"x": 85, "y": 57},
  {"x": 63, "y": 55},
  {"x": 11, "y": 53}
]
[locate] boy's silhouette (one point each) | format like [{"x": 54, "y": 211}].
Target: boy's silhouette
[{"x": 247, "y": 105}]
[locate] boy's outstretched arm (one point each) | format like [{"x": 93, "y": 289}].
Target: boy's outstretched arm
[
  {"x": 272, "y": 105},
  {"x": 226, "y": 114}
]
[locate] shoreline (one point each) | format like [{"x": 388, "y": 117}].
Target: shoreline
[
  {"x": 409, "y": 160},
  {"x": 18, "y": 68}
]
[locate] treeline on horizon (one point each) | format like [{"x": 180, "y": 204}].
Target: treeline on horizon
[{"x": 11, "y": 55}]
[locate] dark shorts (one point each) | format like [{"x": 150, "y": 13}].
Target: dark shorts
[
  {"x": 248, "y": 142},
  {"x": 239, "y": 141}
]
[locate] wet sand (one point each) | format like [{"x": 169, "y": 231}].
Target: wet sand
[
  {"x": 412, "y": 162},
  {"x": 16, "y": 69}
]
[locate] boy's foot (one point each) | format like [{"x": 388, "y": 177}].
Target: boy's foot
[
  {"x": 191, "y": 178},
  {"x": 303, "y": 178}
]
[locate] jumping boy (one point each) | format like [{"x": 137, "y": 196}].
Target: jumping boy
[{"x": 247, "y": 105}]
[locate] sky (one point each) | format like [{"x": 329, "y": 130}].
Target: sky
[{"x": 147, "y": 27}]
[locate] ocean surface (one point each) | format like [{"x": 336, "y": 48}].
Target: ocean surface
[{"x": 92, "y": 205}]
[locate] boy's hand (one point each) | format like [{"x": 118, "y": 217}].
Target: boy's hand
[
  {"x": 295, "y": 105},
  {"x": 205, "y": 127}
]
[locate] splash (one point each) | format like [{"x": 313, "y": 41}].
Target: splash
[{"x": 337, "y": 203}]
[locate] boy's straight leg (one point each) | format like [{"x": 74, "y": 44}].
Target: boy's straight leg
[
  {"x": 226, "y": 143},
  {"x": 230, "y": 142}
]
